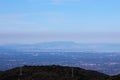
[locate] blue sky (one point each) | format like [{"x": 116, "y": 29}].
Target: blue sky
[{"x": 84, "y": 21}]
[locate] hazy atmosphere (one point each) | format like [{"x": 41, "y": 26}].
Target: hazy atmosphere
[
  {"x": 59, "y": 39},
  {"x": 84, "y": 21}
]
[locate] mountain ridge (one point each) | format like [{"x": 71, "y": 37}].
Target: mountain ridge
[
  {"x": 66, "y": 46},
  {"x": 52, "y": 72}
]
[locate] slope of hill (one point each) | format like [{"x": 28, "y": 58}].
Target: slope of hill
[
  {"x": 116, "y": 77},
  {"x": 1, "y": 72},
  {"x": 52, "y": 73}
]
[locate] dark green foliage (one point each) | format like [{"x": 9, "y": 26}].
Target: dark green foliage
[{"x": 52, "y": 73}]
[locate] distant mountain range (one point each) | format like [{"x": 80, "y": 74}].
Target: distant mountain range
[{"x": 65, "y": 46}]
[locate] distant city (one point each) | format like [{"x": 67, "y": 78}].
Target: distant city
[{"x": 103, "y": 58}]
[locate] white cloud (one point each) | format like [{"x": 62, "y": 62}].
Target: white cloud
[
  {"x": 65, "y": 1},
  {"x": 56, "y": 2},
  {"x": 15, "y": 22},
  {"x": 31, "y": 21},
  {"x": 11, "y": 20}
]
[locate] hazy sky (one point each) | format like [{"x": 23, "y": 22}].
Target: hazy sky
[{"x": 84, "y": 21}]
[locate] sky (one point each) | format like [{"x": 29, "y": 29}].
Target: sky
[{"x": 84, "y": 21}]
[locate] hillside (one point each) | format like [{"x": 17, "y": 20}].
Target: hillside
[
  {"x": 1, "y": 72},
  {"x": 116, "y": 77},
  {"x": 52, "y": 73}
]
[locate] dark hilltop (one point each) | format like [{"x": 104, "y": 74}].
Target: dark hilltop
[{"x": 53, "y": 72}]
